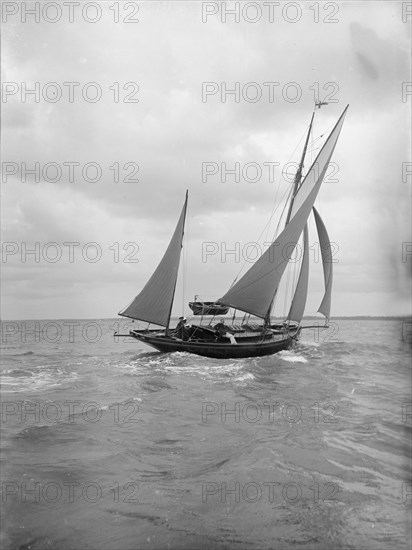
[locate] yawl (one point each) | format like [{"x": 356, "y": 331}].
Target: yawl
[{"x": 255, "y": 291}]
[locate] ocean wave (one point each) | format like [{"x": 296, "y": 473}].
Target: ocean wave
[
  {"x": 35, "y": 433},
  {"x": 41, "y": 377}
]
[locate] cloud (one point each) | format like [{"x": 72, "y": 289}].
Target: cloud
[{"x": 172, "y": 131}]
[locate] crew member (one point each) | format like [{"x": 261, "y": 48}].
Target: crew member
[
  {"x": 180, "y": 330},
  {"x": 220, "y": 329}
]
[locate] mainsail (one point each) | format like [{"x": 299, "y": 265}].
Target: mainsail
[
  {"x": 154, "y": 303},
  {"x": 254, "y": 292},
  {"x": 299, "y": 298},
  {"x": 326, "y": 251}
]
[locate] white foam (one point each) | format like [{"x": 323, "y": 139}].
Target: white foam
[
  {"x": 291, "y": 357},
  {"x": 246, "y": 376},
  {"x": 309, "y": 343}
]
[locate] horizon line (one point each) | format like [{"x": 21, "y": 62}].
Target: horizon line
[{"x": 395, "y": 316}]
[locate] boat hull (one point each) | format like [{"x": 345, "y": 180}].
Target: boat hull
[
  {"x": 217, "y": 350},
  {"x": 208, "y": 308}
]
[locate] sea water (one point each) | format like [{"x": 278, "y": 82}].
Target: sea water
[{"x": 107, "y": 444}]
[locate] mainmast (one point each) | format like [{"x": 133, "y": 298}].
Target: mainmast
[
  {"x": 181, "y": 246},
  {"x": 298, "y": 175},
  {"x": 296, "y": 185},
  {"x": 154, "y": 302}
]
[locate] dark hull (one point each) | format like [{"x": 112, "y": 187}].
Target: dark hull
[
  {"x": 218, "y": 350},
  {"x": 207, "y": 308}
]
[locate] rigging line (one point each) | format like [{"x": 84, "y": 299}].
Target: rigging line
[
  {"x": 292, "y": 285},
  {"x": 286, "y": 290},
  {"x": 287, "y": 194},
  {"x": 284, "y": 210},
  {"x": 297, "y": 262},
  {"x": 274, "y": 302},
  {"x": 285, "y": 204},
  {"x": 275, "y": 207},
  {"x": 290, "y": 194},
  {"x": 234, "y": 315},
  {"x": 293, "y": 288},
  {"x": 294, "y": 268},
  {"x": 278, "y": 184},
  {"x": 314, "y": 140},
  {"x": 185, "y": 245}
]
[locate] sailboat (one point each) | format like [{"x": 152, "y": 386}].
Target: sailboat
[{"x": 252, "y": 294}]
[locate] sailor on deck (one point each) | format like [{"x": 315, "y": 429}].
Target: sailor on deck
[
  {"x": 222, "y": 330},
  {"x": 181, "y": 330}
]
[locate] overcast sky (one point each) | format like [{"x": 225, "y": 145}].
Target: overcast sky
[{"x": 360, "y": 57}]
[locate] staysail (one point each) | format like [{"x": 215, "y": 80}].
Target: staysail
[
  {"x": 326, "y": 251},
  {"x": 297, "y": 308},
  {"x": 154, "y": 303},
  {"x": 254, "y": 292}
]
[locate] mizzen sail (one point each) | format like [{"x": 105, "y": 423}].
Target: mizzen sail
[
  {"x": 154, "y": 303},
  {"x": 326, "y": 251},
  {"x": 254, "y": 292}
]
